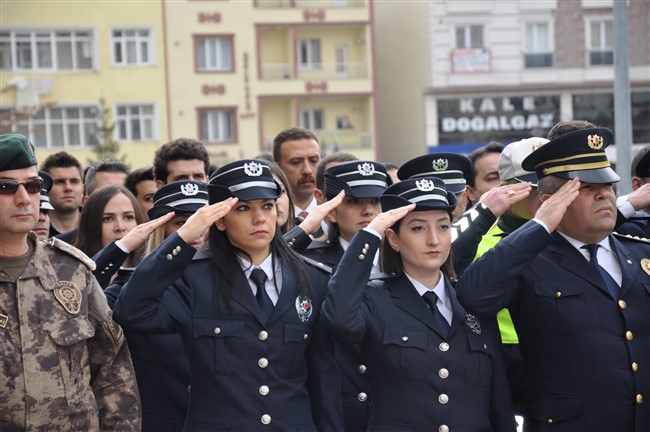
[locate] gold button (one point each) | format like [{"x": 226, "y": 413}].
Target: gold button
[
  {"x": 362, "y": 397},
  {"x": 263, "y": 335},
  {"x": 405, "y": 338},
  {"x": 622, "y": 304},
  {"x": 217, "y": 330},
  {"x": 362, "y": 369},
  {"x": 558, "y": 294},
  {"x": 629, "y": 335},
  {"x": 443, "y": 399},
  {"x": 169, "y": 257},
  {"x": 364, "y": 250},
  {"x": 266, "y": 419},
  {"x": 264, "y": 390},
  {"x": 444, "y": 346},
  {"x": 629, "y": 262},
  {"x": 305, "y": 336},
  {"x": 443, "y": 373},
  {"x": 639, "y": 399},
  {"x": 443, "y": 428},
  {"x": 174, "y": 252},
  {"x": 635, "y": 367},
  {"x": 549, "y": 421},
  {"x": 262, "y": 362},
  {"x": 366, "y": 246},
  {"x": 361, "y": 257},
  {"x": 178, "y": 249}
]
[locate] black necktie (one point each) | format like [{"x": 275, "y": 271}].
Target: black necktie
[
  {"x": 263, "y": 300},
  {"x": 431, "y": 298},
  {"x": 608, "y": 280}
]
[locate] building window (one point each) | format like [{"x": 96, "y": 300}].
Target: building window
[
  {"x": 46, "y": 50},
  {"x": 135, "y": 122},
  {"x": 311, "y": 119},
  {"x": 217, "y": 125},
  {"x": 469, "y": 36},
  {"x": 214, "y": 53},
  {"x": 132, "y": 47},
  {"x": 601, "y": 42},
  {"x": 538, "y": 51},
  {"x": 55, "y": 127},
  {"x": 309, "y": 54}
]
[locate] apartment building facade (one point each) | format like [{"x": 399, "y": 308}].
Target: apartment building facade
[{"x": 232, "y": 74}]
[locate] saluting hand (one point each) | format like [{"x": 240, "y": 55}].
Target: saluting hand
[
  {"x": 553, "y": 208},
  {"x": 313, "y": 220},
  {"x": 385, "y": 220},
  {"x": 499, "y": 199},
  {"x": 203, "y": 219},
  {"x": 138, "y": 235}
]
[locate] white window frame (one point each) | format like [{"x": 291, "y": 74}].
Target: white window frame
[
  {"x": 29, "y": 125},
  {"x": 218, "y": 125},
  {"x": 536, "y": 50},
  {"x": 467, "y": 30},
  {"x": 602, "y": 20},
  {"x": 310, "y": 117},
  {"x": 51, "y": 37},
  {"x": 128, "y": 117},
  {"x": 218, "y": 43},
  {"x": 310, "y": 62},
  {"x": 138, "y": 40}
]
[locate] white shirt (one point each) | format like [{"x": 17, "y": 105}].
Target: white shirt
[
  {"x": 443, "y": 303},
  {"x": 605, "y": 255},
  {"x": 273, "y": 278}
]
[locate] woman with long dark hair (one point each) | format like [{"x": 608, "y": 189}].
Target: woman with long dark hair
[
  {"x": 248, "y": 311},
  {"x": 432, "y": 366}
]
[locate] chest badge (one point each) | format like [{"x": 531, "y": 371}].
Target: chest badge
[
  {"x": 304, "y": 308},
  {"x": 645, "y": 265},
  {"x": 69, "y": 296},
  {"x": 473, "y": 323}
]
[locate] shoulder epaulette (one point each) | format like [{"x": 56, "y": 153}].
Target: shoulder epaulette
[
  {"x": 381, "y": 276},
  {"x": 72, "y": 251},
  {"x": 317, "y": 264},
  {"x": 631, "y": 237}
]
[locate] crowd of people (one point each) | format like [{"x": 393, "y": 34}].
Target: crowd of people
[{"x": 294, "y": 292}]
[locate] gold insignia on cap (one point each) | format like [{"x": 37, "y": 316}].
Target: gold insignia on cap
[
  {"x": 645, "y": 265},
  {"x": 595, "y": 142},
  {"x": 69, "y": 296}
]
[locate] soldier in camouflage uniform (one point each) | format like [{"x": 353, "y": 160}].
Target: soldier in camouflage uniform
[{"x": 65, "y": 365}]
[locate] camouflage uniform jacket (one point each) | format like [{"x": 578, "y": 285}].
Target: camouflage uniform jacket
[{"x": 65, "y": 365}]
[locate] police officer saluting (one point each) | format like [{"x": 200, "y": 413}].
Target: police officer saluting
[
  {"x": 577, "y": 294},
  {"x": 65, "y": 365}
]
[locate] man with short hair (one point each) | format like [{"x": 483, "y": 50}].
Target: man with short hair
[
  {"x": 67, "y": 192},
  {"x": 143, "y": 186},
  {"x": 65, "y": 365},
  {"x": 181, "y": 159},
  {"x": 485, "y": 174},
  {"x": 107, "y": 172},
  {"x": 577, "y": 294},
  {"x": 297, "y": 152},
  {"x": 634, "y": 208}
]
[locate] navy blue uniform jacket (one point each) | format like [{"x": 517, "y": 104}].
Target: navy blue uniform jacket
[
  {"x": 245, "y": 374},
  {"x": 420, "y": 379},
  {"x": 586, "y": 355},
  {"x": 353, "y": 369}
]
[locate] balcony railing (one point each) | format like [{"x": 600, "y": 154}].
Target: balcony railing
[
  {"x": 284, "y": 71},
  {"x": 310, "y": 4}
]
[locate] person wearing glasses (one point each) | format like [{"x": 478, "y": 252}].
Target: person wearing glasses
[{"x": 65, "y": 364}]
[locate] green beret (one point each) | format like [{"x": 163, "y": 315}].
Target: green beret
[{"x": 16, "y": 152}]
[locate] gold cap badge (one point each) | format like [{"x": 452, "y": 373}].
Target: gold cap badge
[
  {"x": 645, "y": 265},
  {"x": 595, "y": 142}
]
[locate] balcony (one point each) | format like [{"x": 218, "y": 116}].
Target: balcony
[
  {"x": 334, "y": 141},
  {"x": 323, "y": 71},
  {"x": 309, "y": 4}
]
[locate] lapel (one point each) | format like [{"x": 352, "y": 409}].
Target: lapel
[
  {"x": 333, "y": 254},
  {"x": 459, "y": 315},
  {"x": 629, "y": 266},
  {"x": 244, "y": 296},
  {"x": 574, "y": 262},
  {"x": 288, "y": 294},
  {"x": 407, "y": 298}
]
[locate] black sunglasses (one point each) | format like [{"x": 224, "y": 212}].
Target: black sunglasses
[{"x": 10, "y": 187}]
